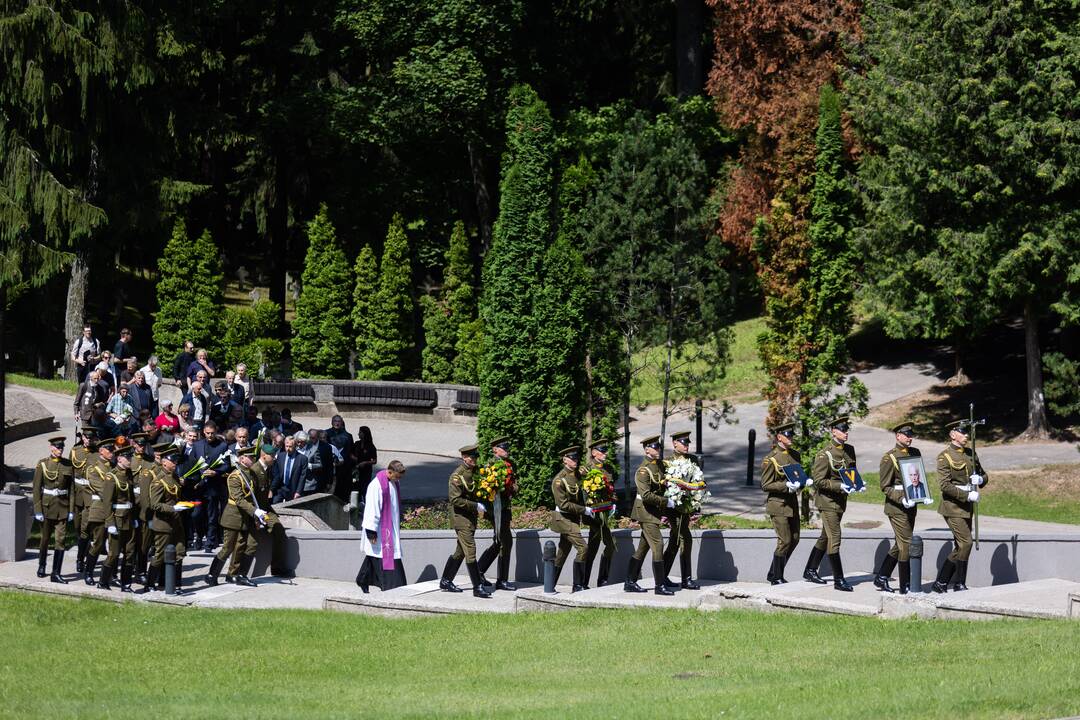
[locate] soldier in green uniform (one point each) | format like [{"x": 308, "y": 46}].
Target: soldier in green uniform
[
  {"x": 118, "y": 496},
  {"x": 97, "y": 513},
  {"x": 165, "y": 520},
  {"x": 241, "y": 515},
  {"x": 649, "y": 507},
  {"x": 53, "y": 505},
  {"x": 83, "y": 455},
  {"x": 260, "y": 469},
  {"x": 831, "y": 499},
  {"x": 567, "y": 515},
  {"x": 598, "y": 529},
  {"x": 961, "y": 475},
  {"x": 781, "y": 498},
  {"x": 142, "y": 463},
  {"x": 501, "y": 516},
  {"x": 465, "y": 508},
  {"x": 680, "y": 538},
  {"x": 900, "y": 511}
]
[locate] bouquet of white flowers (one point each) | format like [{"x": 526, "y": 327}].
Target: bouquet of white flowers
[{"x": 685, "y": 484}]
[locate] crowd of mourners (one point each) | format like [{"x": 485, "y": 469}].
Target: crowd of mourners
[{"x": 218, "y": 415}]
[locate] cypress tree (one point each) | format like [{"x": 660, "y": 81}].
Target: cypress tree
[
  {"x": 391, "y": 347},
  {"x": 366, "y": 274},
  {"x": 320, "y": 345},
  {"x": 513, "y": 373},
  {"x": 251, "y": 337},
  {"x": 445, "y": 313},
  {"x": 189, "y": 294}
]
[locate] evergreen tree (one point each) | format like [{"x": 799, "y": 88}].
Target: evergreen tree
[
  {"x": 320, "y": 345},
  {"x": 391, "y": 347},
  {"x": 469, "y": 352},
  {"x": 444, "y": 314},
  {"x": 366, "y": 274},
  {"x": 189, "y": 294},
  {"x": 513, "y": 374},
  {"x": 251, "y": 337}
]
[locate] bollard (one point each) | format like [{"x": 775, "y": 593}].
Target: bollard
[
  {"x": 915, "y": 552},
  {"x": 750, "y": 439},
  {"x": 697, "y": 434},
  {"x": 170, "y": 569},
  {"x": 549, "y": 567}
]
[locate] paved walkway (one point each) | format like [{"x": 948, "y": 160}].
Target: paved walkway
[{"x": 1042, "y": 599}]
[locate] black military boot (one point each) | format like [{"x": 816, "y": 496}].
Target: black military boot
[
  {"x": 106, "y": 577},
  {"x": 630, "y": 585},
  {"x": 88, "y": 569},
  {"x": 781, "y": 562},
  {"x": 658, "y": 575},
  {"x": 589, "y": 560},
  {"x": 688, "y": 582},
  {"x": 125, "y": 579},
  {"x": 478, "y": 590},
  {"x": 43, "y": 557},
  {"x": 486, "y": 558},
  {"x": 80, "y": 557},
  {"x": 215, "y": 570},
  {"x": 774, "y": 572},
  {"x": 579, "y": 577},
  {"x": 179, "y": 577},
  {"x": 241, "y": 577},
  {"x": 152, "y": 576},
  {"x": 960, "y": 583},
  {"x": 503, "y": 583},
  {"x": 944, "y": 575},
  {"x": 446, "y": 583},
  {"x": 602, "y": 573},
  {"x": 905, "y": 577},
  {"x": 881, "y": 577},
  {"x": 57, "y": 567},
  {"x": 839, "y": 582},
  {"x": 812, "y": 565}
]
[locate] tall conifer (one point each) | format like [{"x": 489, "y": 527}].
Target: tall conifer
[
  {"x": 391, "y": 346},
  {"x": 320, "y": 345}
]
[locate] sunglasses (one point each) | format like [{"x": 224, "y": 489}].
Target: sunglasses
[
  {"x": 842, "y": 427},
  {"x": 788, "y": 433}
]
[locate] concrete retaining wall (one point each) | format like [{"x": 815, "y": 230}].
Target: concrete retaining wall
[
  {"x": 15, "y": 520},
  {"x": 720, "y": 555}
]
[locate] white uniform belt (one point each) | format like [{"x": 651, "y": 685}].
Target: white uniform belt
[
  {"x": 95, "y": 497},
  {"x": 138, "y": 491},
  {"x": 121, "y": 506},
  {"x": 82, "y": 481},
  {"x": 898, "y": 487},
  {"x": 58, "y": 492}
]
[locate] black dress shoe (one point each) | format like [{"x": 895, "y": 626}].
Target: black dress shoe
[
  {"x": 843, "y": 585},
  {"x": 505, "y": 585},
  {"x": 959, "y": 587},
  {"x": 690, "y": 584},
  {"x": 449, "y": 586},
  {"x": 812, "y": 576},
  {"x": 480, "y": 591},
  {"x": 631, "y": 586},
  {"x": 245, "y": 581},
  {"x": 775, "y": 581},
  {"x": 939, "y": 587},
  {"x": 882, "y": 583},
  {"x": 662, "y": 589}
]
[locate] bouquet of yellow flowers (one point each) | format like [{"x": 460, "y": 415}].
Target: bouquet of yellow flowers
[
  {"x": 487, "y": 486},
  {"x": 599, "y": 492}
]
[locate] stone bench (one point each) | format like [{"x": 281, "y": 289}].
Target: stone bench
[
  {"x": 284, "y": 392},
  {"x": 468, "y": 400},
  {"x": 397, "y": 395}
]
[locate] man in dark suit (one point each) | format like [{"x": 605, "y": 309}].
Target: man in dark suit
[
  {"x": 293, "y": 472},
  {"x": 320, "y": 460},
  {"x": 210, "y": 448}
]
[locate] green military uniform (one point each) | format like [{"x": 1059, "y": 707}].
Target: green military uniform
[
  {"x": 242, "y": 514},
  {"x": 831, "y": 502},
  {"x": 955, "y": 467},
  {"x": 53, "y": 504},
  {"x": 272, "y": 525},
  {"x": 566, "y": 518},
  {"x": 598, "y": 528},
  {"x": 680, "y": 537},
  {"x": 649, "y": 507},
  {"x": 118, "y": 497},
  {"x": 781, "y": 503},
  {"x": 464, "y": 515},
  {"x": 166, "y": 523},
  {"x": 82, "y": 457},
  {"x": 900, "y": 517},
  {"x": 97, "y": 476},
  {"x": 501, "y": 516},
  {"x": 143, "y": 479}
]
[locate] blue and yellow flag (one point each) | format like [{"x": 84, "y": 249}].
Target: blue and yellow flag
[{"x": 852, "y": 480}]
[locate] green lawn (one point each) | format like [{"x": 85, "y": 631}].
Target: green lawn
[
  {"x": 1020, "y": 495},
  {"x": 65, "y": 387},
  {"x": 743, "y": 381},
  {"x": 162, "y": 662}
]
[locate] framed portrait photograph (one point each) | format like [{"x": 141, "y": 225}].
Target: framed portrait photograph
[{"x": 913, "y": 474}]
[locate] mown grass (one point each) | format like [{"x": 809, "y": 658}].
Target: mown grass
[
  {"x": 165, "y": 662},
  {"x": 1047, "y": 494},
  {"x": 743, "y": 381},
  {"x": 57, "y": 385}
]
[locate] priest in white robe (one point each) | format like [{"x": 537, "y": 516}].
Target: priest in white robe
[{"x": 382, "y": 531}]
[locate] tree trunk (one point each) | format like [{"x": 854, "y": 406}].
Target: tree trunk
[
  {"x": 689, "y": 26},
  {"x": 959, "y": 376},
  {"x": 482, "y": 193},
  {"x": 75, "y": 310},
  {"x": 1038, "y": 424}
]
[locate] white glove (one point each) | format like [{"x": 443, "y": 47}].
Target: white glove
[
  {"x": 260, "y": 513},
  {"x": 113, "y": 530},
  {"x": 966, "y": 488},
  {"x": 908, "y": 503},
  {"x": 479, "y": 507},
  {"x": 670, "y": 503},
  {"x": 792, "y": 487},
  {"x": 135, "y": 524},
  {"x": 71, "y": 516},
  {"x": 809, "y": 481},
  {"x": 589, "y": 512},
  {"x": 39, "y": 517},
  {"x": 846, "y": 489},
  {"x": 973, "y": 496},
  {"x": 180, "y": 508},
  {"x": 977, "y": 480}
]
